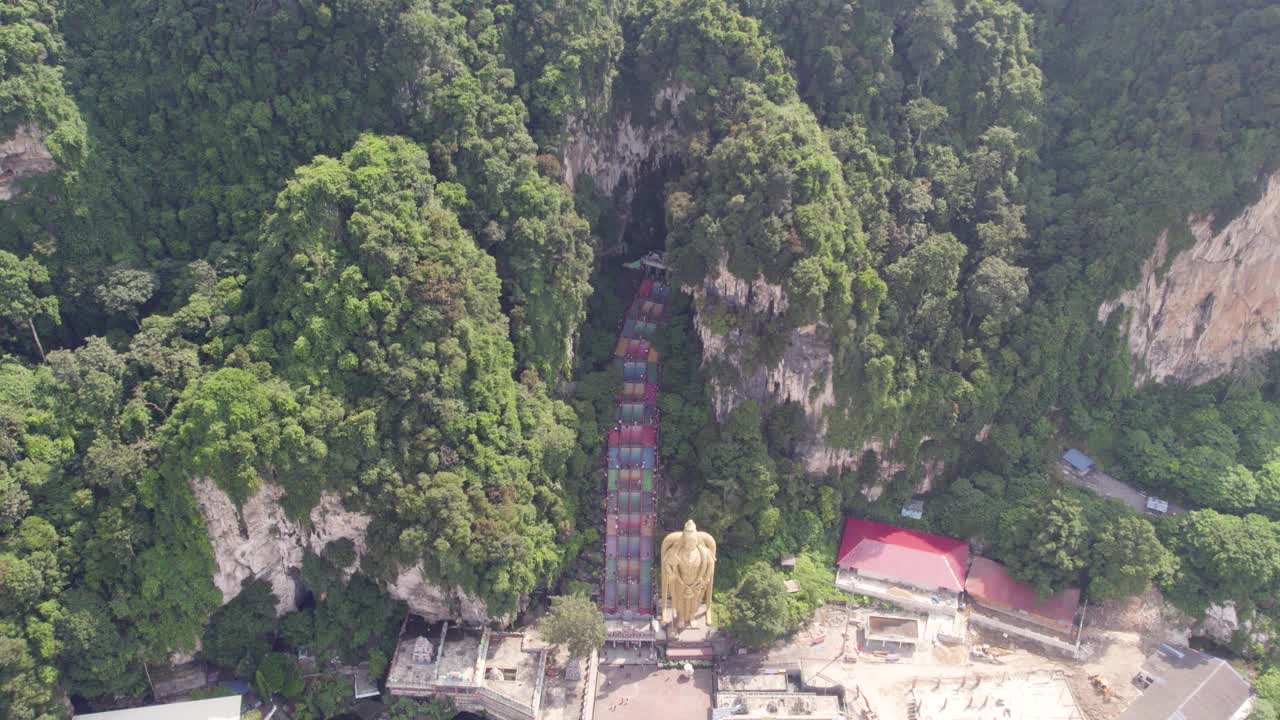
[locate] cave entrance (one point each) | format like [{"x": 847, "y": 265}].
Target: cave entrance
[
  {"x": 637, "y": 223},
  {"x": 645, "y": 216}
]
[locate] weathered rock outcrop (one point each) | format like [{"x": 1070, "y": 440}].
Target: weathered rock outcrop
[
  {"x": 1223, "y": 625},
  {"x": 1218, "y": 302},
  {"x": 436, "y": 603},
  {"x": 616, "y": 150},
  {"x": 260, "y": 541},
  {"x": 22, "y": 156},
  {"x": 802, "y": 375}
]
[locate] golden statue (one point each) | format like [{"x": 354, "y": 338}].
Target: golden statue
[{"x": 688, "y": 567}]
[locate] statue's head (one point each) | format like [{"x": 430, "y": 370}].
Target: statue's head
[{"x": 689, "y": 527}]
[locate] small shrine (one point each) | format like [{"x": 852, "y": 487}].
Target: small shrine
[{"x": 423, "y": 652}]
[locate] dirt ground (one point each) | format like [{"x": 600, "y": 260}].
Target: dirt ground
[
  {"x": 985, "y": 692},
  {"x": 1028, "y": 680},
  {"x": 1118, "y": 636}
]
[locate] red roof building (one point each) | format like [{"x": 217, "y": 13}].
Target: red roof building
[
  {"x": 991, "y": 586},
  {"x": 898, "y": 555}
]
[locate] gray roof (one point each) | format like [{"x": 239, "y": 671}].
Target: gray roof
[
  {"x": 1077, "y": 459},
  {"x": 221, "y": 708},
  {"x": 1188, "y": 685}
]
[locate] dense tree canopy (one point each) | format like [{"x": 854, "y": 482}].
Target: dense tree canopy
[
  {"x": 575, "y": 622},
  {"x": 358, "y": 248},
  {"x": 367, "y": 286},
  {"x": 758, "y": 607}
]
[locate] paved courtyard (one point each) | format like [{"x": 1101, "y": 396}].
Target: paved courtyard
[{"x": 645, "y": 693}]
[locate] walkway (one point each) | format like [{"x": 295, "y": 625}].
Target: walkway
[
  {"x": 1100, "y": 483},
  {"x": 632, "y": 459}
]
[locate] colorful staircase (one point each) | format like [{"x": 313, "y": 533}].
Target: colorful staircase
[{"x": 632, "y": 460}]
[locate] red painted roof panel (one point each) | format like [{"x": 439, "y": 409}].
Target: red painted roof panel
[
  {"x": 991, "y": 584},
  {"x": 916, "y": 558}
]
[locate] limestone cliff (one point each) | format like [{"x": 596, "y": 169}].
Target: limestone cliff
[
  {"x": 615, "y": 148},
  {"x": 22, "y": 156},
  {"x": 802, "y": 375},
  {"x": 1216, "y": 304},
  {"x": 259, "y": 541}
]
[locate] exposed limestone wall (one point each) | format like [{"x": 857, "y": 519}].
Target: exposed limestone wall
[
  {"x": 436, "y": 603},
  {"x": 261, "y": 542},
  {"x": 1217, "y": 304},
  {"x": 1222, "y": 624},
  {"x": 802, "y": 376},
  {"x": 615, "y": 150},
  {"x": 22, "y": 156}
]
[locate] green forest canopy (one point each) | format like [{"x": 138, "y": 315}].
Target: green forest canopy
[{"x": 333, "y": 247}]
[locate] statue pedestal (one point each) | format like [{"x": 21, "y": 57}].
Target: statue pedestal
[
  {"x": 669, "y": 621},
  {"x": 694, "y": 642},
  {"x": 693, "y": 634}
]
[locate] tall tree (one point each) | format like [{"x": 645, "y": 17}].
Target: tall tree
[
  {"x": 740, "y": 479},
  {"x": 1126, "y": 557},
  {"x": 758, "y": 606},
  {"x": 1046, "y": 543},
  {"x": 576, "y": 623},
  {"x": 1224, "y": 558},
  {"x": 19, "y": 303}
]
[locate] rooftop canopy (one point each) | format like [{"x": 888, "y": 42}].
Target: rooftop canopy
[
  {"x": 915, "y": 558},
  {"x": 1188, "y": 685},
  {"x": 1078, "y": 460},
  {"x": 222, "y": 708},
  {"x": 990, "y": 584}
]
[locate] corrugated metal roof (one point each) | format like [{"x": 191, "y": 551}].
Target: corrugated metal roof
[
  {"x": 1077, "y": 459},
  {"x": 916, "y": 558},
  {"x": 223, "y": 708},
  {"x": 1188, "y": 685}
]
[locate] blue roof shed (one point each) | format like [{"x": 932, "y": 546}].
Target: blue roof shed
[{"x": 1078, "y": 460}]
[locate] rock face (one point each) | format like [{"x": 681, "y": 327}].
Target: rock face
[
  {"x": 436, "y": 603},
  {"x": 804, "y": 372},
  {"x": 617, "y": 148},
  {"x": 259, "y": 541},
  {"x": 22, "y": 156},
  {"x": 1217, "y": 304},
  {"x": 802, "y": 376},
  {"x": 1222, "y": 624}
]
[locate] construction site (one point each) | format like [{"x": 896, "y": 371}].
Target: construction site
[
  {"x": 906, "y": 692},
  {"x": 984, "y": 675}
]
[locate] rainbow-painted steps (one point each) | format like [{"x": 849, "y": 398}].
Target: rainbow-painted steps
[{"x": 632, "y": 460}]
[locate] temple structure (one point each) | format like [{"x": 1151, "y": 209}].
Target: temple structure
[
  {"x": 632, "y": 459},
  {"x": 481, "y": 670}
]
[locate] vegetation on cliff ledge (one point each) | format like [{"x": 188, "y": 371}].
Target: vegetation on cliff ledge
[{"x": 333, "y": 247}]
